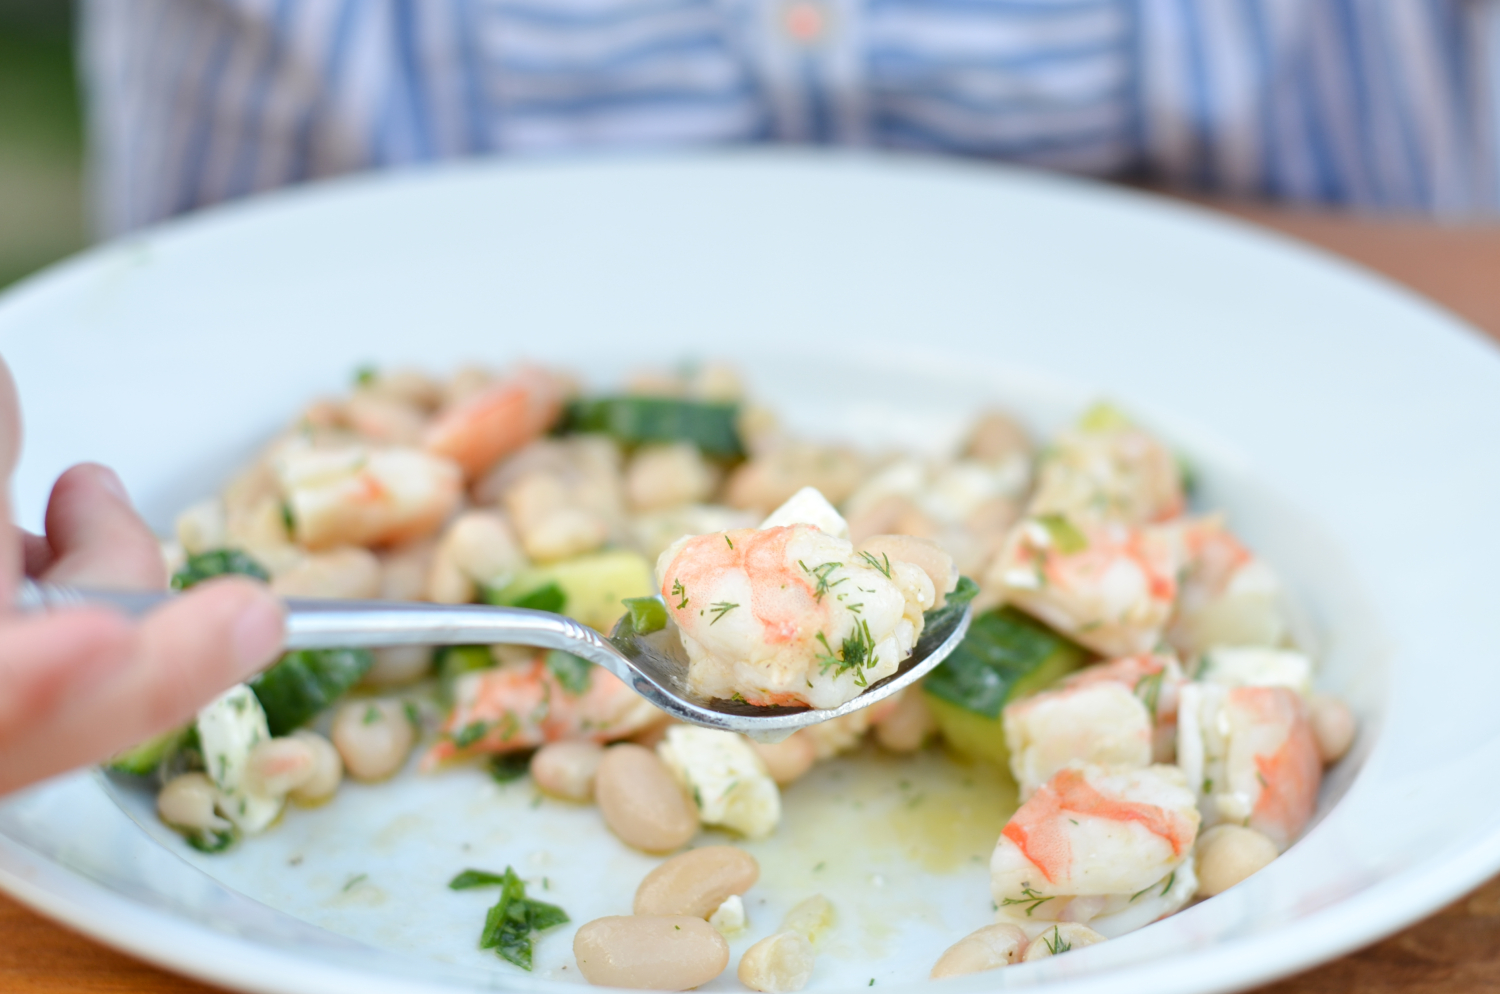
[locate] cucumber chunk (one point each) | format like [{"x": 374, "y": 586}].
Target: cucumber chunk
[
  {"x": 303, "y": 683},
  {"x": 217, "y": 562},
  {"x": 642, "y": 420},
  {"x": 148, "y": 757},
  {"x": 1006, "y": 656},
  {"x": 592, "y": 585}
]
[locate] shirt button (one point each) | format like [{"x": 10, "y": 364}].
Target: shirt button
[{"x": 806, "y": 22}]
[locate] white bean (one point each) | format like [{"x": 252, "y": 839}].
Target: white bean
[
  {"x": 373, "y": 737},
  {"x": 327, "y": 771},
  {"x": 812, "y": 918},
  {"x": 1227, "y": 854},
  {"x": 696, "y": 882},
  {"x": 650, "y": 952},
  {"x": 987, "y": 948},
  {"x": 996, "y": 436},
  {"x": 788, "y": 759},
  {"x": 1333, "y": 726},
  {"x": 203, "y": 527},
  {"x": 907, "y": 725},
  {"x": 403, "y": 571},
  {"x": 1060, "y": 938},
  {"x": 349, "y": 572},
  {"x": 778, "y": 963},
  {"x": 665, "y": 476},
  {"x": 478, "y": 547},
  {"x": 567, "y": 769},
  {"x": 187, "y": 801},
  {"x": 398, "y": 665},
  {"x": 641, "y": 802}
]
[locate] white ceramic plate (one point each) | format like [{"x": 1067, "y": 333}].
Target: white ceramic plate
[{"x": 1346, "y": 426}]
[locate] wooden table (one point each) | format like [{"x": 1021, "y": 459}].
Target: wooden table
[{"x": 1455, "y": 951}]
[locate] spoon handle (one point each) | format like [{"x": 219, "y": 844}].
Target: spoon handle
[{"x": 324, "y": 624}]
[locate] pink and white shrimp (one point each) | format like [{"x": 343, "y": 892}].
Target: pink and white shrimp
[
  {"x": 790, "y": 614},
  {"x": 1252, "y": 755},
  {"x": 357, "y": 495},
  {"x": 1109, "y": 470},
  {"x": 524, "y": 705},
  {"x": 1227, "y": 595},
  {"x": 1106, "y": 585},
  {"x": 500, "y": 418},
  {"x": 1119, "y": 715},
  {"x": 1109, "y": 849}
]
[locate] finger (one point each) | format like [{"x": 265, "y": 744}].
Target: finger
[
  {"x": 82, "y": 695},
  {"x": 218, "y": 634},
  {"x": 10, "y": 451},
  {"x": 97, "y": 539},
  {"x": 45, "y": 662},
  {"x": 36, "y": 554}
]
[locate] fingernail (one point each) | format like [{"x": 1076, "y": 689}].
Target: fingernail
[
  {"x": 257, "y": 634},
  {"x": 110, "y": 482}
]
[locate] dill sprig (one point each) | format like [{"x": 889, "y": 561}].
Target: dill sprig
[
  {"x": 1148, "y": 689},
  {"x": 884, "y": 568},
  {"x": 1028, "y": 897},
  {"x": 719, "y": 609},
  {"x": 1057, "y": 944},
  {"x": 678, "y": 590},
  {"x": 821, "y": 575},
  {"x": 857, "y": 653}
]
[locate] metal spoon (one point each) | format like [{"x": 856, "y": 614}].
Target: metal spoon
[{"x": 653, "y": 665}]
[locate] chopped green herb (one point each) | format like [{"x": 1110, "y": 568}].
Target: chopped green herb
[
  {"x": 287, "y": 519},
  {"x": 726, "y": 539},
  {"x": 209, "y": 841},
  {"x": 573, "y": 673},
  {"x": 1030, "y": 898},
  {"x": 1065, "y": 537},
  {"x": 371, "y": 715},
  {"x": 218, "y": 562},
  {"x": 476, "y": 878},
  {"x": 1148, "y": 689},
  {"x": 355, "y": 881},
  {"x": 820, "y": 866},
  {"x": 413, "y": 714},
  {"x": 679, "y": 590},
  {"x": 1172, "y": 879},
  {"x": 820, "y": 574},
  {"x": 510, "y": 766},
  {"x": 1057, "y": 944},
  {"x": 720, "y": 609},
  {"x": 510, "y": 926},
  {"x": 647, "y": 614},
  {"x": 884, "y": 567},
  {"x": 365, "y": 375},
  {"x": 470, "y": 734},
  {"x": 857, "y": 653}
]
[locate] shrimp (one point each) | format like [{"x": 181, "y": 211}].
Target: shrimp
[
  {"x": 1107, "y": 585},
  {"x": 356, "y": 495},
  {"x": 1227, "y": 596},
  {"x": 1251, "y": 754},
  {"x": 1106, "y": 715},
  {"x": 1109, "y": 470},
  {"x": 1110, "y": 849},
  {"x": 790, "y": 614},
  {"x": 526, "y": 704},
  {"x": 496, "y": 421}
]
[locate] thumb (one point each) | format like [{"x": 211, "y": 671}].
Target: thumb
[{"x": 10, "y": 451}]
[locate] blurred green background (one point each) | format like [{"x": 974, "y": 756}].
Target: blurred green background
[{"x": 42, "y": 214}]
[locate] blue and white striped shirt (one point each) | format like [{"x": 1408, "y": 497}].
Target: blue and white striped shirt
[{"x": 1384, "y": 104}]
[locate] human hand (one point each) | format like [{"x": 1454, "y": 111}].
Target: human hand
[{"x": 80, "y": 684}]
